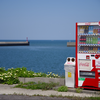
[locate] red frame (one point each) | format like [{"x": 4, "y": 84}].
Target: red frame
[{"x": 76, "y": 68}]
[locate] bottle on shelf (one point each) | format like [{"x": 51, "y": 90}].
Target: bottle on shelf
[
  {"x": 94, "y": 40},
  {"x": 91, "y": 40},
  {"x": 87, "y": 29},
  {"x": 83, "y": 29},
  {"x": 98, "y": 39},
  {"x": 87, "y": 40},
  {"x": 94, "y": 31},
  {"x": 91, "y": 29},
  {"x": 80, "y": 30},
  {"x": 87, "y": 49},
  {"x": 99, "y": 31},
  {"x": 98, "y": 49}
]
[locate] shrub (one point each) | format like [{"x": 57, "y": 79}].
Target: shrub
[
  {"x": 2, "y": 70},
  {"x": 63, "y": 89},
  {"x": 11, "y": 75}
]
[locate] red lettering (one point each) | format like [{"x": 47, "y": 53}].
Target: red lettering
[
  {"x": 84, "y": 64},
  {"x": 87, "y": 23}
]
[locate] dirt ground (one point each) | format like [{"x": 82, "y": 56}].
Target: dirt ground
[{"x": 23, "y": 97}]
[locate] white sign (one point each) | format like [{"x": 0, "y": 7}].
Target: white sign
[
  {"x": 84, "y": 64},
  {"x": 97, "y": 63}
]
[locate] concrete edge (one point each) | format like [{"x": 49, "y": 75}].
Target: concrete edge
[{"x": 61, "y": 81}]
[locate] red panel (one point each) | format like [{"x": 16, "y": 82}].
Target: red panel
[
  {"x": 90, "y": 82},
  {"x": 76, "y": 68}
]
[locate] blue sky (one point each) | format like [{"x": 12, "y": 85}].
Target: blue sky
[{"x": 45, "y": 19}]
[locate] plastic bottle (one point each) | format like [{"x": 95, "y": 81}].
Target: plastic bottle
[
  {"x": 91, "y": 29},
  {"x": 96, "y": 31},
  {"x": 84, "y": 39},
  {"x": 98, "y": 49},
  {"x": 87, "y": 40},
  {"x": 80, "y": 30},
  {"x": 91, "y": 40},
  {"x": 83, "y": 29},
  {"x": 96, "y": 39}
]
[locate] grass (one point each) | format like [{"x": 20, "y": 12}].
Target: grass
[{"x": 39, "y": 85}]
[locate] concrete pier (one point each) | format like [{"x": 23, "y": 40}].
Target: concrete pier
[
  {"x": 26, "y": 43},
  {"x": 71, "y": 44}
]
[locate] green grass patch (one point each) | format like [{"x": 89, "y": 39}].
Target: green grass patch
[
  {"x": 63, "y": 89},
  {"x": 39, "y": 85}
]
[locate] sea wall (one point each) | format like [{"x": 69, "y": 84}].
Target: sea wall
[{"x": 61, "y": 81}]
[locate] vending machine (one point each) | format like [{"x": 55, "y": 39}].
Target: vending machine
[{"x": 87, "y": 70}]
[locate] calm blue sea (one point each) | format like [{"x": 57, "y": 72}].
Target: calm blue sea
[{"x": 40, "y": 56}]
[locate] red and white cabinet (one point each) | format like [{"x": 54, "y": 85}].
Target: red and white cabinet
[{"x": 87, "y": 70}]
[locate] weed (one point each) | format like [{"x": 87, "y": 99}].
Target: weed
[
  {"x": 39, "y": 85},
  {"x": 63, "y": 89},
  {"x": 52, "y": 95},
  {"x": 78, "y": 90}
]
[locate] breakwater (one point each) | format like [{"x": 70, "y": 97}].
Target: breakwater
[
  {"x": 70, "y": 44},
  {"x": 26, "y": 43}
]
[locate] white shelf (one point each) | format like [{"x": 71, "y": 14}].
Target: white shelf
[
  {"x": 83, "y": 34},
  {"x": 89, "y": 45}
]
